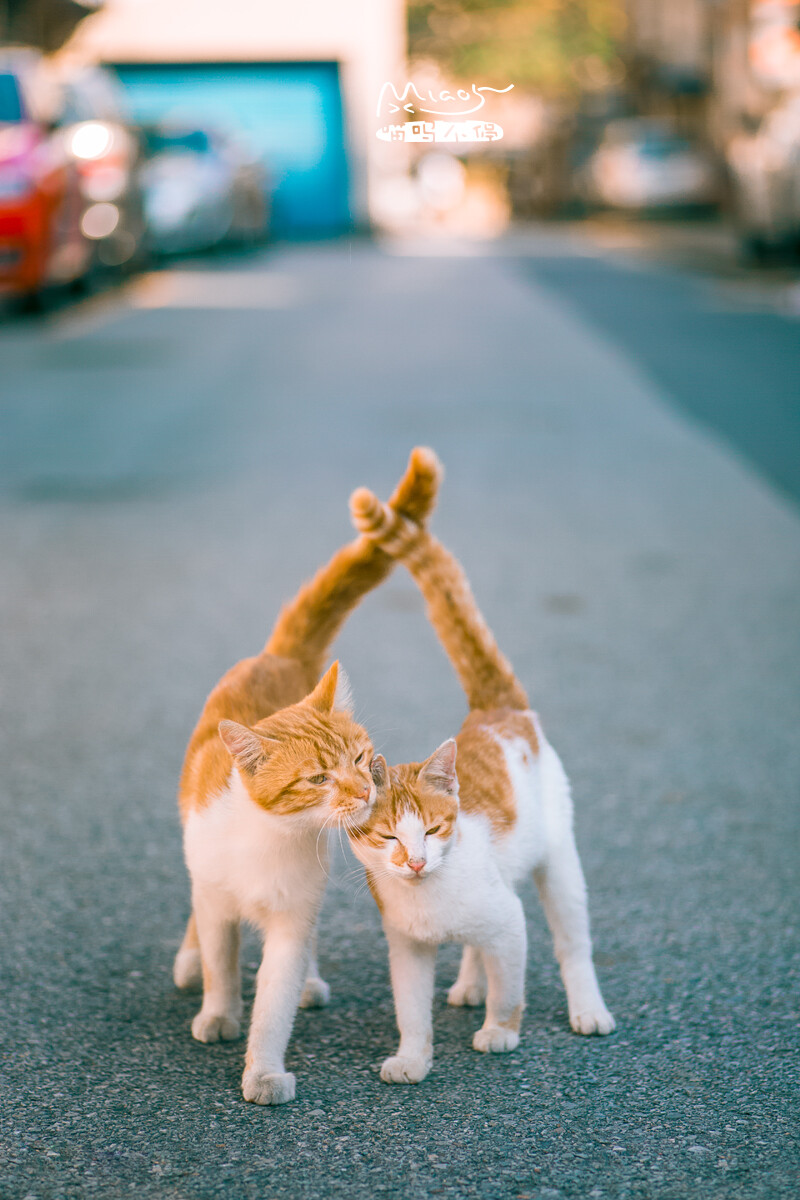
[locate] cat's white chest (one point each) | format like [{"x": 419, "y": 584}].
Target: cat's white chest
[
  {"x": 262, "y": 862},
  {"x": 456, "y": 903}
]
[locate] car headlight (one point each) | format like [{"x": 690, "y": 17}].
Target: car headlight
[{"x": 91, "y": 140}]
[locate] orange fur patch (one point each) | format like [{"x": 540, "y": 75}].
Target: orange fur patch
[
  {"x": 515, "y": 1020},
  {"x": 485, "y": 673},
  {"x": 267, "y": 693},
  {"x": 311, "y": 743},
  {"x": 484, "y": 783},
  {"x": 253, "y": 689},
  {"x": 376, "y": 896},
  {"x": 405, "y": 793},
  {"x": 303, "y": 740}
]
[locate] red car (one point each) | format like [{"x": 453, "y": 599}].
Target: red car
[{"x": 40, "y": 199}]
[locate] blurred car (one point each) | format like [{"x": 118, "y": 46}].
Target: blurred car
[
  {"x": 642, "y": 163},
  {"x": 201, "y": 190},
  {"x": 107, "y": 153},
  {"x": 765, "y": 179},
  {"x": 40, "y": 198}
]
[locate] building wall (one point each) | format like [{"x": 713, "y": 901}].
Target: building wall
[
  {"x": 721, "y": 39},
  {"x": 366, "y": 37}
]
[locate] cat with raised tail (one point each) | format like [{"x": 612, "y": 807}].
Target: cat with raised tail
[
  {"x": 449, "y": 839},
  {"x": 276, "y": 757}
]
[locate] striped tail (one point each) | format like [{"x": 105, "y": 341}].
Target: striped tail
[
  {"x": 485, "y": 674},
  {"x": 308, "y": 624}
]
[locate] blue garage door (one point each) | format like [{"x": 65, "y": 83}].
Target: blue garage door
[{"x": 290, "y": 114}]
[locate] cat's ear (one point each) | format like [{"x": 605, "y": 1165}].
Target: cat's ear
[
  {"x": 439, "y": 771},
  {"x": 246, "y": 747},
  {"x": 332, "y": 691},
  {"x": 379, "y": 771}
]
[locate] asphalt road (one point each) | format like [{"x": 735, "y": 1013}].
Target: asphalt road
[{"x": 173, "y": 462}]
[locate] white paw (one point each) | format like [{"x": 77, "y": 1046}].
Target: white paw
[
  {"x": 593, "y": 1020},
  {"x": 493, "y": 1039},
  {"x": 400, "y": 1069},
  {"x": 470, "y": 994},
  {"x": 316, "y": 994},
  {"x": 187, "y": 970},
  {"x": 215, "y": 1027},
  {"x": 263, "y": 1088}
]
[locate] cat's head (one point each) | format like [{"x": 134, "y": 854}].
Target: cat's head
[
  {"x": 310, "y": 759},
  {"x": 411, "y": 829}
]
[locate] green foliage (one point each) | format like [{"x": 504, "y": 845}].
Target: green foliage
[{"x": 550, "y": 46}]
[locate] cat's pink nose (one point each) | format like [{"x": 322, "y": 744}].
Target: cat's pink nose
[{"x": 416, "y": 864}]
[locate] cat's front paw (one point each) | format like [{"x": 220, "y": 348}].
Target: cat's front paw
[
  {"x": 494, "y": 1039},
  {"x": 404, "y": 1069},
  {"x": 468, "y": 994},
  {"x": 593, "y": 1020},
  {"x": 215, "y": 1027},
  {"x": 316, "y": 994},
  {"x": 261, "y": 1087}
]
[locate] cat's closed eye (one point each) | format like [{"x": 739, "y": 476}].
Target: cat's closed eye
[
  {"x": 317, "y": 778},
  {"x": 388, "y": 837},
  {"x": 360, "y": 758},
  {"x": 429, "y": 832}
]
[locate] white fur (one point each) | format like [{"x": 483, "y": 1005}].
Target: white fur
[
  {"x": 466, "y": 893},
  {"x": 343, "y": 698},
  {"x": 268, "y": 862},
  {"x": 247, "y": 864}
]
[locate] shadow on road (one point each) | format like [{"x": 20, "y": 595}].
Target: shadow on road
[{"x": 735, "y": 371}]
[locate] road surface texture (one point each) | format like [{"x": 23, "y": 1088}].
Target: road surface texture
[{"x": 175, "y": 460}]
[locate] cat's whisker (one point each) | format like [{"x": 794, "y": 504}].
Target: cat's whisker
[
  {"x": 339, "y": 833},
  {"x": 326, "y": 823},
  {"x": 344, "y": 824},
  {"x": 378, "y": 728}
]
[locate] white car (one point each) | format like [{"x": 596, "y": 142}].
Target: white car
[
  {"x": 644, "y": 164},
  {"x": 201, "y": 190}
]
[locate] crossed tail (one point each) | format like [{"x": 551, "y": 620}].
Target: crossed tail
[
  {"x": 485, "y": 673},
  {"x": 308, "y": 624}
]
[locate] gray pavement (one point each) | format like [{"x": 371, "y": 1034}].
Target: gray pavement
[{"x": 173, "y": 462}]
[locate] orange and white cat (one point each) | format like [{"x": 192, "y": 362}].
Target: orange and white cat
[
  {"x": 276, "y": 757},
  {"x": 449, "y": 839}
]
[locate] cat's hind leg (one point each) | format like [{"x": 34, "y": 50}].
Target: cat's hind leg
[
  {"x": 187, "y": 970},
  {"x": 562, "y": 890},
  {"x": 316, "y": 992},
  {"x": 218, "y": 931},
  {"x": 504, "y": 960},
  {"x": 470, "y": 987}
]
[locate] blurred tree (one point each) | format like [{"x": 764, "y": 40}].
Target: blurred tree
[
  {"x": 550, "y": 46},
  {"x": 45, "y": 24}
]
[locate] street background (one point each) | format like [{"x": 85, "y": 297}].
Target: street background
[
  {"x": 192, "y": 381},
  {"x": 171, "y": 475}
]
